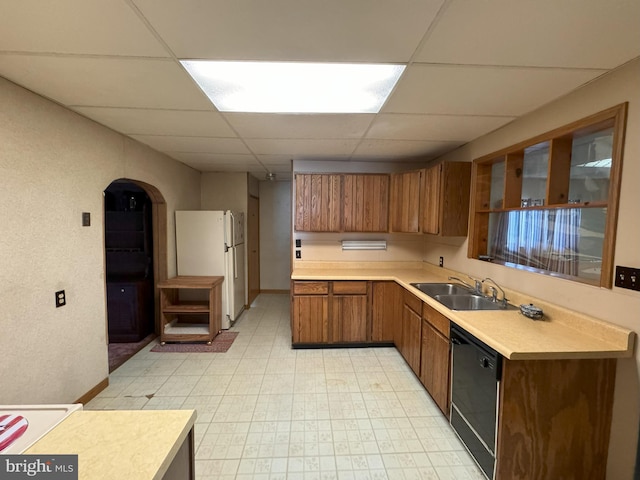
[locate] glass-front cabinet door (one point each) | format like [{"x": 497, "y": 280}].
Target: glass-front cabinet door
[{"x": 547, "y": 206}]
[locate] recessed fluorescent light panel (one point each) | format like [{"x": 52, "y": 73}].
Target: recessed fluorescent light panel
[{"x": 293, "y": 87}]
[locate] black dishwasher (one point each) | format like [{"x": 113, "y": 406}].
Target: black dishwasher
[{"x": 476, "y": 370}]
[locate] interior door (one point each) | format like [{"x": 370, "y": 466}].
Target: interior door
[{"x": 253, "y": 248}]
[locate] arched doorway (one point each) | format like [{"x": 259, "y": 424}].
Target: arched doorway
[{"x": 135, "y": 260}]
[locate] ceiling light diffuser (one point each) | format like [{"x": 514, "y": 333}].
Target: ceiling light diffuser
[{"x": 294, "y": 87}]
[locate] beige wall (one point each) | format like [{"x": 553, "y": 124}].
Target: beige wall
[
  {"x": 54, "y": 165},
  {"x": 616, "y": 305},
  {"x": 224, "y": 191},
  {"x": 275, "y": 235}
]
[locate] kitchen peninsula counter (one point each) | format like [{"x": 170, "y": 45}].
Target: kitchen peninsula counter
[
  {"x": 141, "y": 444},
  {"x": 562, "y": 334}
]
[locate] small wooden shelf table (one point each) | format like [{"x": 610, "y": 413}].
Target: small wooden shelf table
[{"x": 174, "y": 313}]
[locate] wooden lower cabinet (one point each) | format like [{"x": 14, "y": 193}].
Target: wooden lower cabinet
[
  {"x": 349, "y": 318},
  {"x": 310, "y": 319},
  {"x": 330, "y": 312},
  {"x": 555, "y": 419},
  {"x": 411, "y": 344},
  {"x": 386, "y": 311},
  {"x": 435, "y": 365}
]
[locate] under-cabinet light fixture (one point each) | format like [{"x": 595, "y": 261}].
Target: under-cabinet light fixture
[
  {"x": 364, "y": 244},
  {"x": 294, "y": 87}
]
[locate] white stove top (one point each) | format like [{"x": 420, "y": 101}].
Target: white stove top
[{"x": 42, "y": 419}]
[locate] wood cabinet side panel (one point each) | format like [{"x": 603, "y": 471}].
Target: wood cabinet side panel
[{"x": 555, "y": 419}]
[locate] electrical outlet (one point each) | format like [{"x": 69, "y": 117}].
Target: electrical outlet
[
  {"x": 441, "y": 262},
  {"x": 61, "y": 299},
  {"x": 86, "y": 219},
  {"x": 298, "y": 254},
  {"x": 628, "y": 277},
  {"x": 298, "y": 243}
]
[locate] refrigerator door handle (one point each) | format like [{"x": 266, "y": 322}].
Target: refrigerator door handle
[
  {"x": 232, "y": 236},
  {"x": 235, "y": 263}
]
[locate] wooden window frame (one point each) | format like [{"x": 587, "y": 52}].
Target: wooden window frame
[{"x": 560, "y": 141}]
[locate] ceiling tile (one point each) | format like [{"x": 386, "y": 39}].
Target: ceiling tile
[
  {"x": 76, "y": 26},
  {"x": 569, "y": 33},
  {"x": 402, "y": 148},
  {"x": 275, "y": 160},
  {"x": 219, "y": 159},
  {"x": 433, "y": 127},
  {"x": 107, "y": 81},
  {"x": 302, "y": 148},
  {"x": 132, "y": 121},
  {"x": 472, "y": 90},
  {"x": 253, "y": 125},
  {"x": 331, "y": 30},
  {"x": 172, "y": 144}
]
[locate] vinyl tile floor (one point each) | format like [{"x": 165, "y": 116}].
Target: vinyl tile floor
[{"x": 268, "y": 412}]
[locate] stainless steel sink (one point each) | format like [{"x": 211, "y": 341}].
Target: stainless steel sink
[
  {"x": 458, "y": 297},
  {"x": 433, "y": 289},
  {"x": 471, "y": 301}
]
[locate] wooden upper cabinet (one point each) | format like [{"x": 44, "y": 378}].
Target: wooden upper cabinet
[
  {"x": 430, "y": 200},
  {"x": 342, "y": 202},
  {"x": 365, "y": 205},
  {"x": 444, "y": 199},
  {"x": 318, "y": 202},
  {"x": 405, "y": 202}
]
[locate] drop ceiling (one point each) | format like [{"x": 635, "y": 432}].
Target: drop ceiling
[{"x": 473, "y": 66}]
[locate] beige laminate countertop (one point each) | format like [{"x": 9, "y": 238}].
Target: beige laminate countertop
[
  {"x": 563, "y": 333},
  {"x": 123, "y": 444}
]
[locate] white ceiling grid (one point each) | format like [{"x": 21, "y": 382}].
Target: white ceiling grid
[{"x": 473, "y": 66}]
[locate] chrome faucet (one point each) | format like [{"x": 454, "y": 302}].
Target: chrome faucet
[
  {"x": 478, "y": 284},
  {"x": 494, "y": 292}
]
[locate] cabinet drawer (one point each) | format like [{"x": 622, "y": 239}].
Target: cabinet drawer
[
  {"x": 310, "y": 288},
  {"x": 414, "y": 302},
  {"x": 436, "y": 319},
  {"x": 350, "y": 288}
]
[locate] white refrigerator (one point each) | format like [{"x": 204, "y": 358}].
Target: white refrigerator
[{"x": 211, "y": 242}]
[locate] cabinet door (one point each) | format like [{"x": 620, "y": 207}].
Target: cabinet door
[
  {"x": 445, "y": 199},
  {"x": 386, "y": 312},
  {"x": 349, "y": 318},
  {"x": 405, "y": 202},
  {"x": 435, "y": 365},
  {"x": 318, "y": 202},
  {"x": 310, "y": 319},
  {"x": 411, "y": 338},
  {"x": 365, "y": 205},
  {"x": 430, "y": 200}
]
